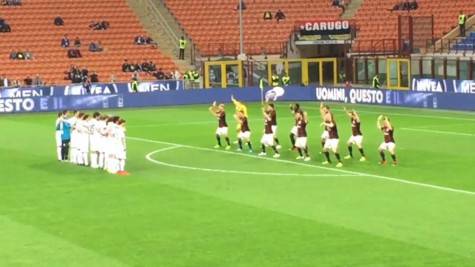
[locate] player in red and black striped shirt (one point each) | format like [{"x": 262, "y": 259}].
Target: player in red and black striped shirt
[{"x": 389, "y": 143}]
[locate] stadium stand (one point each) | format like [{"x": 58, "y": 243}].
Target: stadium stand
[
  {"x": 33, "y": 30},
  {"x": 214, "y": 24},
  {"x": 377, "y": 21}
]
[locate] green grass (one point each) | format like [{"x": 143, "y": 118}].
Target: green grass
[{"x": 56, "y": 214}]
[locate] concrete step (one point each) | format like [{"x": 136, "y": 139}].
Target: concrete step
[
  {"x": 351, "y": 9},
  {"x": 163, "y": 28}
]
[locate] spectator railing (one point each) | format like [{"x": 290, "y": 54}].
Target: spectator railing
[
  {"x": 376, "y": 46},
  {"x": 232, "y": 49},
  {"x": 447, "y": 46}
]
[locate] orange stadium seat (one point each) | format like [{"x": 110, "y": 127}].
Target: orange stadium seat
[
  {"x": 216, "y": 21},
  {"x": 375, "y": 19},
  {"x": 33, "y": 30}
]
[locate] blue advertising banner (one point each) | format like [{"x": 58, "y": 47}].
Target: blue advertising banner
[
  {"x": 95, "y": 89},
  {"x": 118, "y": 96},
  {"x": 441, "y": 86},
  {"x": 396, "y": 98}
]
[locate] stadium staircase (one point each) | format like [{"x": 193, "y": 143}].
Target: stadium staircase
[
  {"x": 351, "y": 9},
  {"x": 163, "y": 28},
  {"x": 214, "y": 24},
  {"x": 377, "y": 22},
  {"x": 33, "y": 30}
]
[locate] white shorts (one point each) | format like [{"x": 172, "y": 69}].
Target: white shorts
[
  {"x": 294, "y": 130},
  {"x": 356, "y": 140},
  {"x": 325, "y": 135},
  {"x": 222, "y": 131},
  {"x": 245, "y": 136},
  {"x": 59, "y": 141},
  {"x": 331, "y": 144},
  {"x": 274, "y": 130},
  {"x": 301, "y": 142},
  {"x": 391, "y": 147},
  {"x": 268, "y": 140},
  {"x": 121, "y": 153}
]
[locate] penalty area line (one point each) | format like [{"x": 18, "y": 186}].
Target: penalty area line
[{"x": 351, "y": 173}]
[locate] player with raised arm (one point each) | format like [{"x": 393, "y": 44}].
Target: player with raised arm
[
  {"x": 356, "y": 135},
  {"x": 326, "y": 114},
  {"x": 219, "y": 112},
  {"x": 331, "y": 143},
  {"x": 301, "y": 140},
  {"x": 384, "y": 124},
  {"x": 240, "y": 107},
  {"x": 273, "y": 116},
  {"x": 294, "y": 109},
  {"x": 244, "y": 135},
  {"x": 267, "y": 139}
]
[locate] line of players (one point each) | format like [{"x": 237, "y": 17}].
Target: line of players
[
  {"x": 298, "y": 133},
  {"x": 97, "y": 141}
]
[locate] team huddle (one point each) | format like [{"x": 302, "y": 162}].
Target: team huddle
[
  {"x": 97, "y": 141},
  {"x": 298, "y": 134}
]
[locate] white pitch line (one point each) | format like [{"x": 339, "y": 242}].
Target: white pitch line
[
  {"x": 438, "y": 132},
  {"x": 172, "y": 124},
  {"x": 149, "y": 158},
  {"x": 437, "y": 187}
]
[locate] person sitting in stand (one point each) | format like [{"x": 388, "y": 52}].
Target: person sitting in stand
[
  {"x": 65, "y": 41},
  {"x": 145, "y": 66},
  {"x": 279, "y": 15},
  {"x": 126, "y": 66},
  {"x": 4, "y": 26},
  {"x": 100, "y": 25},
  {"x": 77, "y": 42},
  {"x": 94, "y": 77},
  {"x": 140, "y": 40},
  {"x": 267, "y": 15},
  {"x": 28, "y": 55},
  {"x": 13, "y": 55},
  {"x": 37, "y": 81},
  {"x": 160, "y": 75},
  {"x": 58, "y": 21},
  {"x": 151, "y": 66},
  {"x": 95, "y": 47},
  {"x": 11, "y": 2},
  {"x": 243, "y": 5},
  {"x": 28, "y": 81},
  {"x": 74, "y": 53},
  {"x": 20, "y": 56}
]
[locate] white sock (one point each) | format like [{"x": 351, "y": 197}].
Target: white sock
[
  {"x": 122, "y": 165},
  {"x": 58, "y": 152},
  {"x": 112, "y": 165}
]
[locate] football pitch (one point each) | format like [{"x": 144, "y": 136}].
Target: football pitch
[{"x": 187, "y": 204}]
